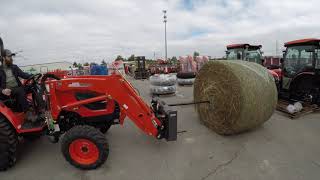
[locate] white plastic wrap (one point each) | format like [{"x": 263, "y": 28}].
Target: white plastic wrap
[
  {"x": 294, "y": 108},
  {"x": 187, "y": 64},
  {"x": 298, "y": 106},
  {"x": 163, "y": 80},
  {"x": 163, "y": 89},
  {"x": 186, "y": 81}
]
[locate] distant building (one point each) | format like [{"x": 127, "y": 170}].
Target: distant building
[
  {"x": 46, "y": 67},
  {"x": 271, "y": 61}
]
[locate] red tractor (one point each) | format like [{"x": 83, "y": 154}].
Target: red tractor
[
  {"x": 82, "y": 108},
  {"x": 251, "y": 53},
  {"x": 300, "y": 80},
  {"x": 247, "y": 52}
]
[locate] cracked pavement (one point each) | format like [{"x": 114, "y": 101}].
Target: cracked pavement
[
  {"x": 223, "y": 165},
  {"x": 281, "y": 149}
]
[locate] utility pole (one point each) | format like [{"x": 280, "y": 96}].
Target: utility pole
[
  {"x": 165, "y": 32},
  {"x": 277, "y": 48}
]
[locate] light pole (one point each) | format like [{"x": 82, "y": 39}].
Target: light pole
[{"x": 165, "y": 32}]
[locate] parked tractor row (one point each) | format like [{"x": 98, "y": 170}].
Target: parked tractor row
[{"x": 297, "y": 77}]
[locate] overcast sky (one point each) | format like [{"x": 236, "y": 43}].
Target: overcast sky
[{"x": 57, "y": 30}]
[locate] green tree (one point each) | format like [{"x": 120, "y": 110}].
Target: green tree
[
  {"x": 119, "y": 57},
  {"x": 195, "y": 54},
  {"x": 80, "y": 66},
  {"x": 131, "y": 58},
  {"x": 103, "y": 63},
  {"x": 75, "y": 64},
  {"x": 32, "y": 70},
  {"x": 86, "y": 64},
  {"x": 93, "y": 64},
  {"x": 174, "y": 58}
]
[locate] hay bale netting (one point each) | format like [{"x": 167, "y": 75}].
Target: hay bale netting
[{"x": 243, "y": 96}]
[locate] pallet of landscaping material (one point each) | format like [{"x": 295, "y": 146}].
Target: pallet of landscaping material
[{"x": 307, "y": 109}]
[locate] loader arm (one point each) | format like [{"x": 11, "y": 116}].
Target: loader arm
[{"x": 156, "y": 120}]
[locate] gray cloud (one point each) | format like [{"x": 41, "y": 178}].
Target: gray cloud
[{"x": 81, "y": 30}]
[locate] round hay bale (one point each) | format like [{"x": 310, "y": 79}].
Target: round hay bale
[{"x": 242, "y": 96}]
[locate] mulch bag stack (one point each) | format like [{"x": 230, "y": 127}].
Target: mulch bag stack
[
  {"x": 187, "y": 64},
  {"x": 117, "y": 67},
  {"x": 201, "y": 61},
  {"x": 188, "y": 69},
  {"x": 163, "y": 84},
  {"x": 242, "y": 96}
]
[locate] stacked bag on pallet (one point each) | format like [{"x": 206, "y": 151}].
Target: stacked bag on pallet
[
  {"x": 163, "y": 84},
  {"x": 117, "y": 67},
  {"x": 187, "y": 64},
  {"x": 200, "y": 61},
  {"x": 188, "y": 68}
]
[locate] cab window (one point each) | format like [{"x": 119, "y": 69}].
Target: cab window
[
  {"x": 317, "y": 51},
  {"x": 234, "y": 54}
]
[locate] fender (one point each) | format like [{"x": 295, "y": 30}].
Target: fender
[
  {"x": 274, "y": 74},
  {"x": 300, "y": 76},
  {"x": 15, "y": 119}
]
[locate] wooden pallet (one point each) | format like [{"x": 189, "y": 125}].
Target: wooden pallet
[{"x": 307, "y": 109}]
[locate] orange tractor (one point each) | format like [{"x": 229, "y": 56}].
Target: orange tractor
[{"x": 82, "y": 108}]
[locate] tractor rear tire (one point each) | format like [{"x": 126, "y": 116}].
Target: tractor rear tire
[
  {"x": 8, "y": 144},
  {"x": 85, "y": 147}
]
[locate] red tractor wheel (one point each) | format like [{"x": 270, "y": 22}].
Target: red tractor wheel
[
  {"x": 85, "y": 147},
  {"x": 8, "y": 144}
]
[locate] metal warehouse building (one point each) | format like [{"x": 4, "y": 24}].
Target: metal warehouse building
[{"x": 45, "y": 67}]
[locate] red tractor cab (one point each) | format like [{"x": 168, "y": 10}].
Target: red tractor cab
[
  {"x": 251, "y": 53},
  {"x": 300, "y": 80},
  {"x": 246, "y": 52}
]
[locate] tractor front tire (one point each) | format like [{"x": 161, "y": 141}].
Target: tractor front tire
[
  {"x": 85, "y": 147},
  {"x": 104, "y": 129},
  {"x": 8, "y": 144}
]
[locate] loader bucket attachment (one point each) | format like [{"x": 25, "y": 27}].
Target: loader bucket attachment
[
  {"x": 170, "y": 125},
  {"x": 168, "y": 117}
]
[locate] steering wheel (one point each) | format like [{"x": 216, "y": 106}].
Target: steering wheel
[
  {"x": 33, "y": 79},
  {"x": 36, "y": 85}
]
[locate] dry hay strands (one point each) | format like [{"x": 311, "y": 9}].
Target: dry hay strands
[{"x": 242, "y": 96}]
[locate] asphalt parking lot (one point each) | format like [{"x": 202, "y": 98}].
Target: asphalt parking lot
[{"x": 281, "y": 149}]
